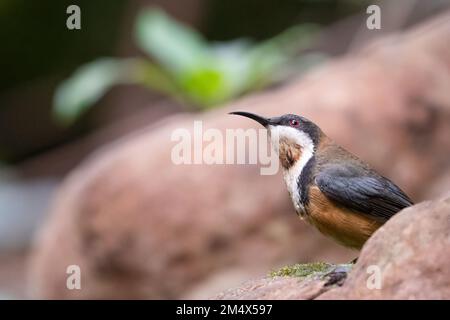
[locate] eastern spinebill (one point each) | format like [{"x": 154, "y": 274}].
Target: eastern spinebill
[{"x": 333, "y": 190}]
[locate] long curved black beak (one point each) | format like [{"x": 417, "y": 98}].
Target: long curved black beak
[{"x": 263, "y": 121}]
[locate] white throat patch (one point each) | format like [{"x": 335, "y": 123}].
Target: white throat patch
[{"x": 292, "y": 174}]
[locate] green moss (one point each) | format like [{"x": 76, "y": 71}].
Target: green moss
[{"x": 302, "y": 270}]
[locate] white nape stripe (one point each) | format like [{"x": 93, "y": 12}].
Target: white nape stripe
[{"x": 293, "y": 173}]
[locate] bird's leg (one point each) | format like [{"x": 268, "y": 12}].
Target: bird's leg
[{"x": 354, "y": 261}]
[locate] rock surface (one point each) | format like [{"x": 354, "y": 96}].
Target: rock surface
[
  {"x": 141, "y": 227},
  {"x": 410, "y": 254},
  {"x": 278, "y": 288}
]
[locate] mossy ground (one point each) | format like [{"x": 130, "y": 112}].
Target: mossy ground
[{"x": 302, "y": 270}]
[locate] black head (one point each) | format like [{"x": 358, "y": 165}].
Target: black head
[{"x": 289, "y": 121}]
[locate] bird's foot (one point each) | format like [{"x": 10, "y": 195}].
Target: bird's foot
[{"x": 338, "y": 274}]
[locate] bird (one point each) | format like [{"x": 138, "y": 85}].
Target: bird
[{"x": 330, "y": 188}]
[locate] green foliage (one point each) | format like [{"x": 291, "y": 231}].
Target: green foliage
[
  {"x": 302, "y": 270},
  {"x": 183, "y": 65},
  {"x": 176, "y": 47},
  {"x": 86, "y": 86}
]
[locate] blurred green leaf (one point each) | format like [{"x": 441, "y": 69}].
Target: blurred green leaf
[
  {"x": 205, "y": 86},
  {"x": 88, "y": 84},
  {"x": 154, "y": 77},
  {"x": 175, "y": 46},
  {"x": 91, "y": 81},
  {"x": 234, "y": 62}
]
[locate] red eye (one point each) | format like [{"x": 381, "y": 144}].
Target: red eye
[{"x": 294, "y": 123}]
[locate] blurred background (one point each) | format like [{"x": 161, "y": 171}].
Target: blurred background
[{"x": 136, "y": 65}]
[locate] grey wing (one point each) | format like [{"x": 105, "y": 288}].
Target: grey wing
[{"x": 364, "y": 191}]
